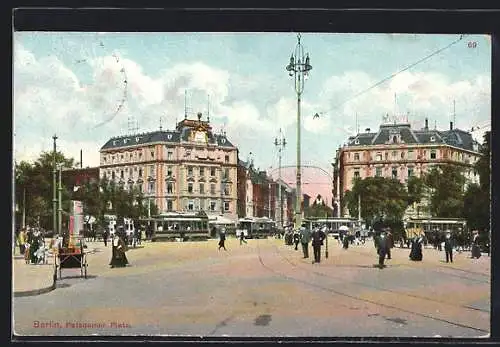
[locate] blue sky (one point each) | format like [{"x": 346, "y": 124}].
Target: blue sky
[{"x": 68, "y": 83}]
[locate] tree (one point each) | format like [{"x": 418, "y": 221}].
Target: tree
[
  {"x": 318, "y": 208},
  {"x": 381, "y": 199},
  {"x": 415, "y": 188},
  {"x": 445, "y": 184}
]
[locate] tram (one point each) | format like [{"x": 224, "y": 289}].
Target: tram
[
  {"x": 433, "y": 229},
  {"x": 256, "y": 227},
  {"x": 171, "y": 226},
  {"x": 333, "y": 224}
]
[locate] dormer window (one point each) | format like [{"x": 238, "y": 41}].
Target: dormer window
[
  {"x": 356, "y": 142},
  {"x": 394, "y": 139},
  {"x": 433, "y": 139}
]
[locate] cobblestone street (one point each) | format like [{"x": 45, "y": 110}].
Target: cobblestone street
[{"x": 263, "y": 288}]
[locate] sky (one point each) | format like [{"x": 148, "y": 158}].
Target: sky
[{"x": 72, "y": 84}]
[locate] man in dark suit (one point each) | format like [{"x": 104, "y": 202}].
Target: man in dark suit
[
  {"x": 317, "y": 241},
  {"x": 448, "y": 247},
  {"x": 382, "y": 245}
]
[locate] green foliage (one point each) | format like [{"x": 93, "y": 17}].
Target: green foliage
[
  {"x": 381, "y": 198},
  {"x": 445, "y": 186},
  {"x": 318, "y": 210}
]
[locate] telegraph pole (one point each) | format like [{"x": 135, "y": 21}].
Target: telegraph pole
[
  {"x": 54, "y": 197},
  {"x": 59, "y": 230},
  {"x": 280, "y": 143}
]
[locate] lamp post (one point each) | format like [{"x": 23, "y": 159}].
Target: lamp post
[
  {"x": 298, "y": 68},
  {"x": 54, "y": 196},
  {"x": 280, "y": 143}
]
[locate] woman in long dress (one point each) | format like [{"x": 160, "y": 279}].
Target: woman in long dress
[
  {"x": 416, "y": 249},
  {"x": 475, "y": 252},
  {"x": 118, "y": 249}
]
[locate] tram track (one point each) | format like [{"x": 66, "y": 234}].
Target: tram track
[
  {"x": 364, "y": 300},
  {"x": 475, "y": 273}
]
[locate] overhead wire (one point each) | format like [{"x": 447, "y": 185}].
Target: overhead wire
[{"x": 397, "y": 73}]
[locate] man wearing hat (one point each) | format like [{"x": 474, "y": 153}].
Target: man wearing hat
[
  {"x": 305, "y": 238},
  {"x": 448, "y": 247}
]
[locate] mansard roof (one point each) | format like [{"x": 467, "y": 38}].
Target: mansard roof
[{"x": 406, "y": 135}]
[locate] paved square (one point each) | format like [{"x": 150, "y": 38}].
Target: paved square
[{"x": 264, "y": 288}]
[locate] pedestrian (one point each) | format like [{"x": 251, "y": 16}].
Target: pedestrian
[
  {"x": 416, "y": 249},
  {"x": 296, "y": 240},
  {"x": 382, "y": 245},
  {"x": 448, "y": 247},
  {"x": 105, "y": 235},
  {"x": 475, "y": 251},
  {"x": 390, "y": 242},
  {"x": 242, "y": 238},
  {"x": 21, "y": 239},
  {"x": 118, "y": 249},
  {"x": 317, "y": 241},
  {"x": 345, "y": 241},
  {"x": 305, "y": 237},
  {"x": 222, "y": 239}
]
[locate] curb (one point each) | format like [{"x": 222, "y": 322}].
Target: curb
[{"x": 38, "y": 291}]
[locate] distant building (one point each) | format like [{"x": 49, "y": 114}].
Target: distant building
[
  {"x": 187, "y": 169},
  {"x": 258, "y": 194},
  {"x": 398, "y": 151},
  {"x": 306, "y": 201}
]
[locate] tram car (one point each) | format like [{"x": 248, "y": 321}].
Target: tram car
[
  {"x": 334, "y": 225},
  {"x": 256, "y": 227},
  {"x": 184, "y": 226},
  {"x": 430, "y": 227}
]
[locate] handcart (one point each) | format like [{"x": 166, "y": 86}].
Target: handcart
[{"x": 71, "y": 258}]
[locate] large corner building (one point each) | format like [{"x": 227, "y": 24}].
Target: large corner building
[
  {"x": 398, "y": 151},
  {"x": 187, "y": 169}
]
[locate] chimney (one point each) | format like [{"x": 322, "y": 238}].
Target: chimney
[
  {"x": 426, "y": 124},
  {"x": 451, "y": 125},
  {"x": 81, "y": 158},
  {"x": 367, "y": 130}
]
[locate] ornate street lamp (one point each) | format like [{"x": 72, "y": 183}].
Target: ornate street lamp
[{"x": 299, "y": 68}]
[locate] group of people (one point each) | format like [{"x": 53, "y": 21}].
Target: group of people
[
  {"x": 304, "y": 236},
  {"x": 31, "y": 244}
]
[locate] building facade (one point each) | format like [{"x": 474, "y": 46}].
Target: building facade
[
  {"x": 258, "y": 194},
  {"x": 397, "y": 151},
  {"x": 187, "y": 169}
]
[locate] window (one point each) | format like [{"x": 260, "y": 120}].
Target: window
[
  {"x": 402, "y": 155},
  {"x": 356, "y": 156},
  {"x": 394, "y": 172},
  {"x": 394, "y": 139},
  {"x": 213, "y": 205},
  {"x": 386, "y": 155},
  {"x": 121, "y": 157},
  {"x": 151, "y": 187},
  {"x": 411, "y": 154},
  {"x": 212, "y": 171},
  {"x": 152, "y": 170},
  {"x": 121, "y": 174},
  {"x": 226, "y": 189},
  {"x": 202, "y": 171},
  {"x": 170, "y": 188},
  {"x": 140, "y": 155},
  {"x": 140, "y": 172},
  {"x": 410, "y": 172},
  {"x": 202, "y": 188},
  {"x": 433, "y": 139},
  {"x": 356, "y": 173},
  {"x": 378, "y": 172},
  {"x": 169, "y": 171},
  {"x": 170, "y": 206},
  {"x": 104, "y": 159},
  {"x": 394, "y": 154},
  {"x": 379, "y": 157},
  {"x": 190, "y": 188},
  {"x": 433, "y": 154},
  {"x": 226, "y": 174},
  {"x": 170, "y": 155},
  {"x": 226, "y": 205},
  {"x": 190, "y": 205},
  {"x": 212, "y": 188},
  {"x": 190, "y": 171},
  {"x": 113, "y": 175},
  {"x": 130, "y": 171},
  {"x": 226, "y": 159}
]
